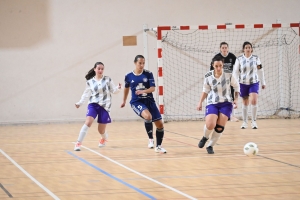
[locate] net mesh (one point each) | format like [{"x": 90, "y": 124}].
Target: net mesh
[{"x": 187, "y": 54}]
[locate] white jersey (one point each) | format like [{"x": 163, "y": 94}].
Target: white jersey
[
  {"x": 218, "y": 89},
  {"x": 99, "y": 92},
  {"x": 245, "y": 70}
]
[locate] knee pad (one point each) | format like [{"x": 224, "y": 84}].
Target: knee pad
[{"x": 219, "y": 127}]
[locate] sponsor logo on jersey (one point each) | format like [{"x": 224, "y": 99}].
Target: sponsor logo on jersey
[
  {"x": 145, "y": 79},
  {"x": 132, "y": 81}
]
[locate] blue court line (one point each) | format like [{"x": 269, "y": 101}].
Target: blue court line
[{"x": 111, "y": 176}]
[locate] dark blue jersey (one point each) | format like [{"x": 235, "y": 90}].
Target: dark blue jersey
[{"x": 142, "y": 81}]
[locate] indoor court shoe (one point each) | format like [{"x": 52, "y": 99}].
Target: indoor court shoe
[
  {"x": 244, "y": 125},
  {"x": 210, "y": 150},
  {"x": 202, "y": 142},
  {"x": 102, "y": 142},
  {"x": 159, "y": 149},
  {"x": 77, "y": 146},
  {"x": 254, "y": 125},
  {"x": 151, "y": 144}
]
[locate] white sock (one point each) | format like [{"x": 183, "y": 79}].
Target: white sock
[
  {"x": 207, "y": 132},
  {"x": 214, "y": 139},
  {"x": 254, "y": 111},
  {"x": 245, "y": 113},
  {"x": 82, "y": 133},
  {"x": 104, "y": 135}
]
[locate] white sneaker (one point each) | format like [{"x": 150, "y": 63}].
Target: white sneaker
[
  {"x": 254, "y": 125},
  {"x": 159, "y": 149},
  {"x": 102, "y": 141},
  {"x": 244, "y": 125},
  {"x": 77, "y": 146},
  {"x": 151, "y": 144}
]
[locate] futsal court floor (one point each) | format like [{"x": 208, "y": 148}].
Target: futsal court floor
[{"x": 37, "y": 162}]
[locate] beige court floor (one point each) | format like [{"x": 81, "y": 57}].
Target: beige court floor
[{"x": 38, "y": 162}]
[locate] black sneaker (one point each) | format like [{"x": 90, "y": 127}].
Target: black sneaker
[
  {"x": 202, "y": 142},
  {"x": 210, "y": 150}
]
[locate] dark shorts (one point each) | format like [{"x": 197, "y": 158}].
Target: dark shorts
[
  {"x": 144, "y": 104},
  {"x": 245, "y": 90},
  {"x": 225, "y": 108},
  {"x": 95, "y": 109}
]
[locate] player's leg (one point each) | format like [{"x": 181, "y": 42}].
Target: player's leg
[
  {"x": 224, "y": 114},
  {"x": 244, "y": 93},
  {"x": 142, "y": 110},
  {"x": 103, "y": 120},
  {"x": 211, "y": 116},
  {"x": 253, "y": 101},
  {"x": 90, "y": 116},
  {"x": 157, "y": 119}
]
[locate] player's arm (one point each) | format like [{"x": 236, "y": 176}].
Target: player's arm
[
  {"x": 125, "y": 95},
  {"x": 236, "y": 86},
  {"x": 206, "y": 89},
  {"x": 260, "y": 73},
  {"x": 236, "y": 70},
  {"x": 85, "y": 95},
  {"x": 113, "y": 88}
]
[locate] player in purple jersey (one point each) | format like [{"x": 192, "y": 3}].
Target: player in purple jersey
[
  {"x": 141, "y": 83},
  {"x": 229, "y": 60},
  {"x": 217, "y": 92},
  {"x": 249, "y": 72},
  {"x": 98, "y": 89}
]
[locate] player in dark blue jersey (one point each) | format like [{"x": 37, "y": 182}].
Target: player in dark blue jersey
[{"x": 141, "y": 83}]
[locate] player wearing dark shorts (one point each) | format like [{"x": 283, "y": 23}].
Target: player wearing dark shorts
[{"x": 141, "y": 83}]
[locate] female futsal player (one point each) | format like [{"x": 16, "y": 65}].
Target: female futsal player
[{"x": 98, "y": 89}]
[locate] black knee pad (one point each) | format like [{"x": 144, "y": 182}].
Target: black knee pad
[{"x": 219, "y": 127}]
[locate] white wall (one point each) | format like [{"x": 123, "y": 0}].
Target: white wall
[{"x": 46, "y": 47}]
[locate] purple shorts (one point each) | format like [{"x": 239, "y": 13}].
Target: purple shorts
[
  {"x": 225, "y": 108},
  {"x": 95, "y": 109},
  {"x": 245, "y": 90}
]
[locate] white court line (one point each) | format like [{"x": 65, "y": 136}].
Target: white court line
[
  {"x": 27, "y": 174},
  {"x": 146, "y": 177}
]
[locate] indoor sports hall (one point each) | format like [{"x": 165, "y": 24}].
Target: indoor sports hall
[{"x": 50, "y": 147}]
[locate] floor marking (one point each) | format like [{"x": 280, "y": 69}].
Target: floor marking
[
  {"x": 29, "y": 176},
  {"x": 146, "y": 177},
  {"x": 111, "y": 176},
  {"x": 5, "y": 190}
]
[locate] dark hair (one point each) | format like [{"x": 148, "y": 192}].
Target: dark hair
[
  {"x": 137, "y": 57},
  {"x": 92, "y": 73},
  {"x": 217, "y": 58},
  {"x": 246, "y": 43},
  {"x": 223, "y": 43}
]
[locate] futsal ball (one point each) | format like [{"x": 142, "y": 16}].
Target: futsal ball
[{"x": 251, "y": 149}]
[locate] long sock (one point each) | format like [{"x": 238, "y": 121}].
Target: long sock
[
  {"x": 214, "y": 138},
  {"x": 159, "y": 136},
  {"x": 149, "y": 128},
  {"x": 254, "y": 112},
  {"x": 245, "y": 113},
  {"x": 82, "y": 132},
  {"x": 207, "y": 132}
]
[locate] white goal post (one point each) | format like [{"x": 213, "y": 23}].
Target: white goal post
[{"x": 184, "y": 54}]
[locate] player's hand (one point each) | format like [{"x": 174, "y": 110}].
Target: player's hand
[
  {"x": 123, "y": 105},
  {"x": 234, "y": 104},
  {"x": 119, "y": 86},
  {"x": 199, "y": 107},
  {"x": 263, "y": 86},
  {"x": 138, "y": 92},
  {"x": 77, "y": 106}
]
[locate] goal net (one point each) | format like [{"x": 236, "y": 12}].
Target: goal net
[{"x": 184, "y": 57}]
